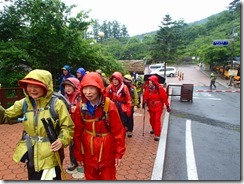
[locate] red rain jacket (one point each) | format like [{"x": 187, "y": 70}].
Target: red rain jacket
[
  {"x": 155, "y": 98},
  {"x": 120, "y": 93},
  {"x": 101, "y": 148}
]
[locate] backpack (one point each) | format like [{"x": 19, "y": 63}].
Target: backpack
[
  {"x": 112, "y": 92},
  {"x": 51, "y": 104},
  {"x": 132, "y": 91},
  {"x": 104, "y": 115},
  {"x": 129, "y": 86}
]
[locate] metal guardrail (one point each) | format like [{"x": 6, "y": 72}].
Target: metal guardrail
[
  {"x": 169, "y": 87},
  {"x": 186, "y": 91}
]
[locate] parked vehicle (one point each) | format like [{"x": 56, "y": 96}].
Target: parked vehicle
[
  {"x": 153, "y": 67},
  {"x": 170, "y": 71}
]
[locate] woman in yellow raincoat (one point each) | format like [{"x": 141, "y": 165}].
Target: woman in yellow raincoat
[{"x": 35, "y": 148}]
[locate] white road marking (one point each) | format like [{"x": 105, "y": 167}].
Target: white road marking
[
  {"x": 190, "y": 157},
  {"x": 206, "y": 94},
  {"x": 214, "y": 98},
  {"x": 197, "y": 97}
]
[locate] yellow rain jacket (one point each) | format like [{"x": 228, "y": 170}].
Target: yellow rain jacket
[{"x": 44, "y": 158}]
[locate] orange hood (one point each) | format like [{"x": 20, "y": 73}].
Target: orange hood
[{"x": 92, "y": 79}]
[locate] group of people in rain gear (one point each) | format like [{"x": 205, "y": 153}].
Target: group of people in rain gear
[{"x": 94, "y": 127}]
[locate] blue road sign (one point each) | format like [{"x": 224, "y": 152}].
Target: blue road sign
[{"x": 220, "y": 43}]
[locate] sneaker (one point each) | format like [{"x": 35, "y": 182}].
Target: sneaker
[
  {"x": 79, "y": 174},
  {"x": 156, "y": 138},
  {"x": 71, "y": 169},
  {"x": 151, "y": 132},
  {"x": 129, "y": 134},
  {"x": 80, "y": 169}
]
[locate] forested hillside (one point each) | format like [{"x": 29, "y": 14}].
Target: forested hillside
[
  {"x": 184, "y": 42},
  {"x": 176, "y": 41},
  {"x": 41, "y": 34}
]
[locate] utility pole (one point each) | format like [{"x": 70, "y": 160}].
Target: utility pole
[{"x": 233, "y": 36}]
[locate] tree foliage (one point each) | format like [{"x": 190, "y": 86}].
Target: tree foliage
[
  {"x": 168, "y": 40},
  {"x": 41, "y": 34},
  {"x": 111, "y": 29}
]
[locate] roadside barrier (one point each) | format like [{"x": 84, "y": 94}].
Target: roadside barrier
[{"x": 9, "y": 95}]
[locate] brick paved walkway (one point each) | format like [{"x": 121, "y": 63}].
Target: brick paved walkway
[{"x": 137, "y": 163}]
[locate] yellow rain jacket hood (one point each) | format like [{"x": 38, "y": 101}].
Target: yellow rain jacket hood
[{"x": 44, "y": 158}]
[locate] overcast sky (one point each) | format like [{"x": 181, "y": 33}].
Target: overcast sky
[{"x": 142, "y": 16}]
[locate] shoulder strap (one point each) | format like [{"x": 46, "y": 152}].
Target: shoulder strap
[
  {"x": 52, "y": 109},
  {"x": 104, "y": 116},
  {"x": 105, "y": 108},
  {"x": 105, "y": 113},
  {"x": 24, "y": 110},
  {"x": 24, "y": 107},
  {"x": 62, "y": 97},
  {"x": 52, "y": 102}
]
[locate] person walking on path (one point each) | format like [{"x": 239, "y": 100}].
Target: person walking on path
[
  {"x": 139, "y": 88},
  {"x": 103, "y": 75},
  {"x": 135, "y": 101},
  {"x": 35, "y": 148},
  {"x": 80, "y": 73},
  {"x": 212, "y": 81},
  {"x": 99, "y": 142},
  {"x": 155, "y": 97},
  {"x": 66, "y": 73},
  {"x": 72, "y": 94},
  {"x": 119, "y": 93}
]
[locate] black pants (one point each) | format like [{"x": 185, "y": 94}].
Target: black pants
[
  {"x": 71, "y": 153},
  {"x": 33, "y": 175},
  {"x": 130, "y": 121},
  {"x": 212, "y": 83},
  {"x": 139, "y": 98}
]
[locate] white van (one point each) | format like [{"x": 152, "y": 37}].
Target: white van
[
  {"x": 153, "y": 67},
  {"x": 170, "y": 71}
]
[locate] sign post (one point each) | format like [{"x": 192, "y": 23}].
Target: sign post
[{"x": 220, "y": 43}]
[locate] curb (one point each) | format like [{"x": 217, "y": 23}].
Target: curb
[
  {"x": 157, "y": 173},
  {"x": 158, "y": 168}
]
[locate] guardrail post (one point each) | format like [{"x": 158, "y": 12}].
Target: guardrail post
[
  {"x": 3, "y": 102},
  {"x": 4, "y": 99}
]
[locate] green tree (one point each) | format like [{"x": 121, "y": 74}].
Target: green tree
[
  {"x": 41, "y": 34},
  {"x": 167, "y": 40}
]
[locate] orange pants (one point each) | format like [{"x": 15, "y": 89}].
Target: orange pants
[
  {"x": 155, "y": 121},
  {"x": 103, "y": 173}
]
